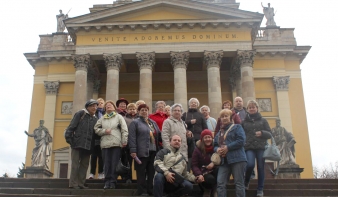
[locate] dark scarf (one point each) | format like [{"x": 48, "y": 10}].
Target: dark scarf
[{"x": 99, "y": 112}]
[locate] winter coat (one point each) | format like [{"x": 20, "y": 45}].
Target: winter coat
[
  {"x": 235, "y": 141},
  {"x": 251, "y": 124},
  {"x": 171, "y": 127},
  {"x": 235, "y": 117},
  {"x": 199, "y": 160},
  {"x": 128, "y": 118},
  {"x": 139, "y": 138},
  {"x": 159, "y": 118},
  {"x": 119, "y": 131},
  {"x": 166, "y": 158},
  {"x": 200, "y": 124},
  {"x": 81, "y": 130}
]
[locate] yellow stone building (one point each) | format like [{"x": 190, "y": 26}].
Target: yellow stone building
[{"x": 168, "y": 50}]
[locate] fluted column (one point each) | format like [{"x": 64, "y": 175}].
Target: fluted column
[
  {"x": 282, "y": 89},
  {"x": 81, "y": 64},
  {"x": 146, "y": 62},
  {"x": 51, "y": 88},
  {"x": 113, "y": 65},
  {"x": 90, "y": 82},
  {"x": 180, "y": 61},
  {"x": 246, "y": 59},
  {"x": 96, "y": 88},
  {"x": 213, "y": 60}
]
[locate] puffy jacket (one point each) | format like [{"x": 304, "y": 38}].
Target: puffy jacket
[
  {"x": 235, "y": 141},
  {"x": 81, "y": 130},
  {"x": 166, "y": 158},
  {"x": 171, "y": 127},
  {"x": 200, "y": 124},
  {"x": 251, "y": 124},
  {"x": 139, "y": 138},
  {"x": 119, "y": 131},
  {"x": 199, "y": 160}
]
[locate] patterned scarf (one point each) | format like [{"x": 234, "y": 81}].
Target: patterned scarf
[{"x": 107, "y": 116}]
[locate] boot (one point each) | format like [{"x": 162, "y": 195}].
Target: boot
[{"x": 206, "y": 192}]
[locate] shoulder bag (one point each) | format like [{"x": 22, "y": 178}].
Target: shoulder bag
[{"x": 216, "y": 158}]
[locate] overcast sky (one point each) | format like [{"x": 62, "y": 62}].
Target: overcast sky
[{"x": 23, "y": 21}]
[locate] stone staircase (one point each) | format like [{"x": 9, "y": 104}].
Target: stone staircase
[{"x": 59, "y": 187}]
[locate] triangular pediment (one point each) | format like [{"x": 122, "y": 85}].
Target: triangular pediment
[{"x": 160, "y": 10}]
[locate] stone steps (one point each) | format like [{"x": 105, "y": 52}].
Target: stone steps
[{"x": 59, "y": 187}]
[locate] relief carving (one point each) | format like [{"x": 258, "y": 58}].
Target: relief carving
[
  {"x": 281, "y": 83},
  {"x": 51, "y": 87}
]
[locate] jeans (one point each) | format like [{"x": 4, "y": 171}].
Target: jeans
[
  {"x": 237, "y": 170},
  {"x": 161, "y": 184},
  {"x": 251, "y": 155},
  {"x": 111, "y": 157}
]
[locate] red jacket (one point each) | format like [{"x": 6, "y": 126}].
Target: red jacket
[{"x": 159, "y": 118}]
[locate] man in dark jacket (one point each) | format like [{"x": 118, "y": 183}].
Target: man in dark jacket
[{"x": 80, "y": 135}]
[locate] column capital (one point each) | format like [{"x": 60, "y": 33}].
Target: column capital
[
  {"x": 97, "y": 85},
  {"x": 145, "y": 60},
  {"x": 179, "y": 59},
  {"x": 213, "y": 58},
  {"x": 81, "y": 62},
  {"x": 245, "y": 58},
  {"x": 281, "y": 83},
  {"x": 51, "y": 87},
  {"x": 113, "y": 61}
]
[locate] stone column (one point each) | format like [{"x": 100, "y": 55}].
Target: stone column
[
  {"x": 51, "y": 88},
  {"x": 213, "y": 60},
  {"x": 180, "y": 61},
  {"x": 81, "y": 64},
  {"x": 146, "y": 62},
  {"x": 246, "y": 59},
  {"x": 90, "y": 82},
  {"x": 282, "y": 89},
  {"x": 235, "y": 80},
  {"x": 96, "y": 88},
  {"x": 113, "y": 65}
]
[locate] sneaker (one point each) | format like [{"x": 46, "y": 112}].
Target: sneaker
[
  {"x": 101, "y": 176},
  {"x": 260, "y": 193},
  {"x": 91, "y": 176},
  {"x": 246, "y": 185}
]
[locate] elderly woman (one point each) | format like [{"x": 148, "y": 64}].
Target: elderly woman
[
  {"x": 167, "y": 110},
  {"x": 160, "y": 115},
  {"x": 114, "y": 134},
  {"x": 257, "y": 131},
  {"x": 202, "y": 167},
  {"x": 229, "y": 144},
  {"x": 235, "y": 117},
  {"x": 211, "y": 122},
  {"x": 122, "y": 106},
  {"x": 174, "y": 125},
  {"x": 143, "y": 141}
]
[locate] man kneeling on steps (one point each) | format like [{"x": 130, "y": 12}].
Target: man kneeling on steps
[{"x": 171, "y": 171}]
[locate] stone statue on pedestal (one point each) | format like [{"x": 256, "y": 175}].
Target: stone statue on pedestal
[
  {"x": 269, "y": 13},
  {"x": 60, "y": 24},
  {"x": 42, "y": 149},
  {"x": 285, "y": 142}
]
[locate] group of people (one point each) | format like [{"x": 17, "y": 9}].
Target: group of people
[{"x": 171, "y": 149}]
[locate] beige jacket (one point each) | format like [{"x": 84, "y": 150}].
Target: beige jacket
[
  {"x": 166, "y": 158},
  {"x": 171, "y": 127},
  {"x": 117, "y": 137}
]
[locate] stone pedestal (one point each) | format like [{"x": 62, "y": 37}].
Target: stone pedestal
[
  {"x": 289, "y": 172},
  {"x": 37, "y": 172}
]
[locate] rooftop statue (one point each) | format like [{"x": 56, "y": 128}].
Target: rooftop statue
[
  {"x": 285, "y": 142},
  {"x": 269, "y": 13},
  {"x": 42, "y": 149},
  {"x": 60, "y": 24}
]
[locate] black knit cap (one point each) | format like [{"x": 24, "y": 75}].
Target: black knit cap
[{"x": 91, "y": 102}]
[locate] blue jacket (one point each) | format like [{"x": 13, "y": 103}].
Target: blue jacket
[{"x": 235, "y": 141}]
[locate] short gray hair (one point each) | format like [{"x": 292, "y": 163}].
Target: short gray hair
[
  {"x": 205, "y": 106},
  {"x": 190, "y": 100},
  {"x": 159, "y": 102},
  {"x": 174, "y": 106}
]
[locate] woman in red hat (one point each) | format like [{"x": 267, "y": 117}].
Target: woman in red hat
[
  {"x": 202, "y": 167},
  {"x": 121, "y": 105}
]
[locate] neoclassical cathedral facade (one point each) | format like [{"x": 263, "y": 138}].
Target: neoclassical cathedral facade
[{"x": 169, "y": 50}]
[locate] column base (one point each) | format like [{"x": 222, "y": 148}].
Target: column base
[
  {"x": 289, "y": 171},
  {"x": 37, "y": 172}
]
